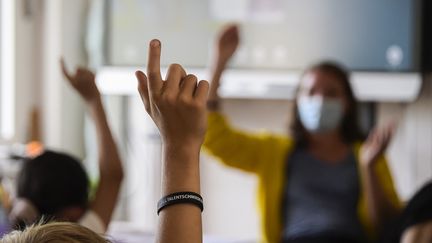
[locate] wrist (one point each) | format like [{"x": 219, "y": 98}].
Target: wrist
[
  {"x": 93, "y": 102},
  {"x": 369, "y": 163},
  {"x": 183, "y": 144},
  {"x": 185, "y": 151},
  {"x": 180, "y": 169},
  {"x": 89, "y": 95},
  {"x": 366, "y": 168}
]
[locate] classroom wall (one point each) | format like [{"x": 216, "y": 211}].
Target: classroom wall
[
  {"x": 410, "y": 153},
  {"x": 62, "y": 29},
  {"x": 26, "y": 71},
  {"x": 45, "y": 30}
]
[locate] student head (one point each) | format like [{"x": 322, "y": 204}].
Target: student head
[
  {"x": 325, "y": 103},
  {"x": 56, "y": 185},
  {"x": 54, "y": 232}
]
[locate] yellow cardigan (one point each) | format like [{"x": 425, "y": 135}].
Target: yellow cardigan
[{"x": 265, "y": 155}]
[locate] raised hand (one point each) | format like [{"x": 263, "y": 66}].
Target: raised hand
[
  {"x": 376, "y": 144},
  {"x": 227, "y": 43},
  {"x": 110, "y": 165},
  {"x": 177, "y": 104},
  {"x": 83, "y": 81}
]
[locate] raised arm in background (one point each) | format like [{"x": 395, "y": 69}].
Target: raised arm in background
[
  {"x": 177, "y": 105},
  {"x": 232, "y": 146},
  {"x": 110, "y": 165},
  {"x": 381, "y": 207},
  {"x": 226, "y": 44}
]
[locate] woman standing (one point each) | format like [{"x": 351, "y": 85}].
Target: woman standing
[{"x": 324, "y": 183}]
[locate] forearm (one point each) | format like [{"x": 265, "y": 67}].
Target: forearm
[
  {"x": 182, "y": 222},
  {"x": 379, "y": 207},
  {"x": 216, "y": 73},
  {"x": 109, "y": 160}
]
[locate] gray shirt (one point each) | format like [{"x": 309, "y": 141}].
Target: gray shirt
[{"x": 321, "y": 198}]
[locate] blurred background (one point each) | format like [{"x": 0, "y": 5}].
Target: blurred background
[{"x": 387, "y": 44}]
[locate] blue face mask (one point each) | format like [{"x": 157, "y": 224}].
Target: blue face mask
[{"x": 319, "y": 114}]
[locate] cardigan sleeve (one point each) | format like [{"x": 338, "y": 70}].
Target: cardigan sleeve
[{"x": 247, "y": 152}]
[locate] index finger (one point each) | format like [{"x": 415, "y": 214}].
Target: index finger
[
  {"x": 153, "y": 65},
  {"x": 64, "y": 70}
]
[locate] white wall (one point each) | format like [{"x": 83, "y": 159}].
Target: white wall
[
  {"x": 62, "y": 28},
  {"x": 50, "y": 29},
  {"x": 27, "y": 79},
  {"x": 410, "y": 153}
]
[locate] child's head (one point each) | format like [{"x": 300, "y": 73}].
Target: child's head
[
  {"x": 56, "y": 184},
  {"x": 54, "y": 232}
]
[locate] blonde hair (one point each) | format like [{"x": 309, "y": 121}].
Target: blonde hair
[{"x": 54, "y": 232}]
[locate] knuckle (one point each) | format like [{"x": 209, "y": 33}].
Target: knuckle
[
  {"x": 200, "y": 105},
  {"x": 168, "y": 99},
  {"x": 184, "y": 100}
]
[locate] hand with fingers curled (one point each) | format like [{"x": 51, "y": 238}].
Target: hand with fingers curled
[
  {"x": 177, "y": 104},
  {"x": 83, "y": 81}
]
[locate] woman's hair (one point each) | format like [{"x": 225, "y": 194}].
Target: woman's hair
[
  {"x": 64, "y": 232},
  {"x": 53, "y": 181},
  {"x": 350, "y": 128}
]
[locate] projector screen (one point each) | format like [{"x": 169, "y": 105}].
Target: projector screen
[{"x": 364, "y": 35}]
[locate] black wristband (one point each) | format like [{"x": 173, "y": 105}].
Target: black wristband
[{"x": 180, "y": 198}]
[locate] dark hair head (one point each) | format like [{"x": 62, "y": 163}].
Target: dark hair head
[
  {"x": 350, "y": 128},
  {"x": 53, "y": 181}
]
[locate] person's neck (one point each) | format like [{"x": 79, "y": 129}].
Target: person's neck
[
  {"x": 325, "y": 140},
  {"x": 327, "y": 146}
]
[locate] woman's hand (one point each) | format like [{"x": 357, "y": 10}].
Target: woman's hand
[
  {"x": 376, "y": 145},
  {"x": 177, "y": 104},
  {"x": 227, "y": 43},
  {"x": 83, "y": 81}
]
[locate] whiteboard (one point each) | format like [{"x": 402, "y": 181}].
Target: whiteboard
[{"x": 366, "y": 35}]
